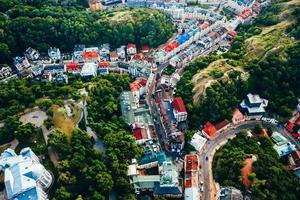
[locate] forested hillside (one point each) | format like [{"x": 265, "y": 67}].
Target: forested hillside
[
  {"x": 41, "y": 24},
  {"x": 269, "y": 52}
]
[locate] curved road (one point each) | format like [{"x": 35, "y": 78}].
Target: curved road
[{"x": 213, "y": 145}]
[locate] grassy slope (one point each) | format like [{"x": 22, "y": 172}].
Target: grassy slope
[{"x": 272, "y": 38}]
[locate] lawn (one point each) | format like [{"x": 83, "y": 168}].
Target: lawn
[{"x": 62, "y": 121}]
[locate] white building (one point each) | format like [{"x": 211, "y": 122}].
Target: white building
[
  {"x": 24, "y": 176},
  {"x": 54, "y": 54},
  {"x": 254, "y": 106},
  {"x": 89, "y": 70}
]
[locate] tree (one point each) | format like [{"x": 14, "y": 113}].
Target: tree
[
  {"x": 4, "y": 53},
  {"x": 59, "y": 142},
  {"x": 62, "y": 194},
  {"x": 25, "y": 132}
]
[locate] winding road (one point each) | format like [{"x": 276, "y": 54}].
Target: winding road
[{"x": 211, "y": 146}]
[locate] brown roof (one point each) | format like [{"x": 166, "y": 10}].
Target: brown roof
[{"x": 222, "y": 124}]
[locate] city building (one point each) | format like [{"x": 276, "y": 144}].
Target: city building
[
  {"x": 294, "y": 159},
  {"x": 24, "y": 176},
  {"x": 20, "y": 63},
  {"x": 91, "y": 54},
  {"x": 54, "y": 54},
  {"x": 179, "y": 110},
  {"x": 139, "y": 68},
  {"x": 237, "y": 117},
  {"x": 191, "y": 179},
  {"x": 282, "y": 145},
  {"x": 54, "y": 68},
  {"x": 229, "y": 193},
  {"x": 209, "y": 130},
  {"x": 145, "y": 48},
  {"x": 121, "y": 52},
  {"x": 31, "y": 54},
  {"x": 169, "y": 185},
  {"x": 254, "y": 106},
  {"x": 131, "y": 49},
  {"x": 198, "y": 141},
  {"x": 77, "y": 53},
  {"x": 136, "y": 3},
  {"x": 103, "y": 67},
  {"x": 138, "y": 87},
  {"x": 89, "y": 70},
  {"x": 73, "y": 67},
  {"x": 113, "y": 56},
  {"x": 5, "y": 71}
]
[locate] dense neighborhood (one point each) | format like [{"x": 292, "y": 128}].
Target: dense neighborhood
[{"x": 175, "y": 162}]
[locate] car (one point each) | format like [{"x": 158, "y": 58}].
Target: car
[
  {"x": 201, "y": 182},
  {"x": 206, "y": 158},
  {"x": 35, "y": 116}
]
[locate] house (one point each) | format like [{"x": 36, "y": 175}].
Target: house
[
  {"x": 138, "y": 87},
  {"x": 46, "y": 77},
  {"x": 20, "y": 63},
  {"x": 60, "y": 79},
  {"x": 140, "y": 68},
  {"x": 73, "y": 67},
  {"x": 89, "y": 70},
  {"x": 231, "y": 34},
  {"x": 169, "y": 185},
  {"x": 103, "y": 67},
  {"x": 54, "y": 54},
  {"x": 31, "y": 54},
  {"x": 113, "y": 56},
  {"x": 191, "y": 178},
  {"x": 209, "y": 130},
  {"x": 24, "y": 176},
  {"x": 145, "y": 48},
  {"x": 77, "y": 53},
  {"x": 237, "y": 117},
  {"x": 294, "y": 159},
  {"x": 245, "y": 14},
  {"x": 55, "y": 68},
  {"x": 121, "y": 52},
  {"x": 141, "y": 132},
  {"x": 5, "y": 71},
  {"x": 91, "y": 54},
  {"x": 131, "y": 49},
  {"x": 37, "y": 69},
  {"x": 282, "y": 145},
  {"x": 95, "y": 5},
  {"x": 198, "y": 141},
  {"x": 136, "y": 3},
  {"x": 179, "y": 110},
  {"x": 222, "y": 125},
  {"x": 289, "y": 126},
  {"x": 229, "y": 193},
  {"x": 254, "y": 106}
]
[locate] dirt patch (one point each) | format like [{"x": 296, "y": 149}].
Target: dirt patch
[{"x": 246, "y": 170}]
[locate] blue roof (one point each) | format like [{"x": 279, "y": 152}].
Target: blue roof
[
  {"x": 166, "y": 190},
  {"x": 29, "y": 194},
  {"x": 169, "y": 109},
  {"x": 183, "y": 38},
  {"x": 160, "y": 157}
]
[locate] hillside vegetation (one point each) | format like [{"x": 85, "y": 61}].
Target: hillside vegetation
[
  {"x": 269, "y": 180},
  {"x": 41, "y": 24},
  {"x": 263, "y": 60}
]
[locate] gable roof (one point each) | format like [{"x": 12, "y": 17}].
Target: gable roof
[
  {"x": 130, "y": 45},
  {"x": 145, "y": 48},
  {"x": 178, "y": 104},
  {"x": 210, "y": 129},
  {"x": 222, "y": 124}
]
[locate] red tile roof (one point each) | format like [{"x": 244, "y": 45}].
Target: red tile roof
[
  {"x": 113, "y": 54},
  {"x": 72, "y": 66},
  {"x": 137, "y": 84},
  {"x": 204, "y": 25},
  {"x": 171, "y": 46},
  {"x": 246, "y": 13},
  {"x": 138, "y": 56},
  {"x": 222, "y": 124},
  {"x": 103, "y": 64},
  {"x": 232, "y": 33},
  {"x": 90, "y": 55},
  {"x": 130, "y": 45},
  {"x": 178, "y": 104},
  {"x": 298, "y": 121},
  {"x": 296, "y": 157},
  {"x": 140, "y": 133},
  {"x": 209, "y": 129},
  {"x": 289, "y": 126},
  {"x": 145, "y": 48}
]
